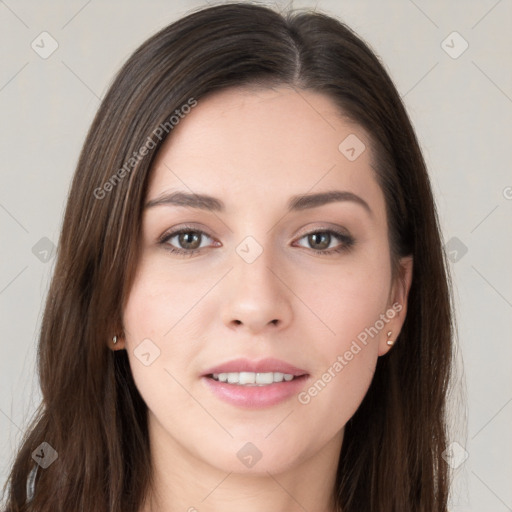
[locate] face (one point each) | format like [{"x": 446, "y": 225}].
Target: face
[{"x": 270, "y": 279}]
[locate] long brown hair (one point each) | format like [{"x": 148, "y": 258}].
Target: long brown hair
[{"x": 91, "y": 412}]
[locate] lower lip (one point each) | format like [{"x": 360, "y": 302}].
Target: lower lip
[{"x": 255, "y": 397}]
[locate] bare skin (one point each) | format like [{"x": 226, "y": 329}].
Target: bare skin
[{"x": 253, "y": 150}]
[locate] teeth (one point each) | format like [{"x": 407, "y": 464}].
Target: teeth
[
  {"x": 252, "y": 379},
  {"x": 245, "y": 378}
]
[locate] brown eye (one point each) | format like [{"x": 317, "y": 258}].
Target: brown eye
[
  {"x": 185, "y": 241},
  {"x": 319, "y": 240},
  {"x": 189, "y": 240}
]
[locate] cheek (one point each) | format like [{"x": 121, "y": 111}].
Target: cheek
[
  {"x": 147, "y": 316},
  {"x": 144, "y": 317},
  {"x": 351, "y": 302},
  {"x": 160, "y": 344},
  {"x": 346, "y": 360},
  {"x": 347, "y": 298},
  {"x": 160, "y": 297},
  {"x": 332, "y": 398}
]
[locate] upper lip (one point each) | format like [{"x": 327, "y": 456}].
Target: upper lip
[{"x": 261, "y": 366}]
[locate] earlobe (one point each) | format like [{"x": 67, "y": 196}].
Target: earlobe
[{"x": 117, "y": 342}]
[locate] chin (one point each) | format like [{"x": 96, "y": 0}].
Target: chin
[{"x": 255, "y": 455}]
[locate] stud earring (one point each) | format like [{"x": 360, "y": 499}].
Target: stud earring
[
  {"x": 390, "y": 342},
  {"x": 114, "y": 340}
]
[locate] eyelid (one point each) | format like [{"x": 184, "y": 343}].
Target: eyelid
[
  {"x": 172, "y": 232},
  {"x": 183, "y": 227},
  {"x": 321, "y": 229}
]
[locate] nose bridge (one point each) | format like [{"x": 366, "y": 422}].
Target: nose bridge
[
  {"x": 253, "y": 261},
  {"x": 257, "y": 297},
  {"x": 256, "y": 250}
]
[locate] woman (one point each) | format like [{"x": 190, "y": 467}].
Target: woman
[{"x": 250, "y": 308}]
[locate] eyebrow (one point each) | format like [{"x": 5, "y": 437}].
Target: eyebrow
[{"x": 295, "y": 203}]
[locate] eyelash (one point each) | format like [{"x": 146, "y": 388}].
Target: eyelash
[{"x": 347, "y": 241}]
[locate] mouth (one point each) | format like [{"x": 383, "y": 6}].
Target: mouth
[
  {"x": 255, "y": 384},
  {"x": 245, "y": 372},
  {"x": 254, "y": 378}
]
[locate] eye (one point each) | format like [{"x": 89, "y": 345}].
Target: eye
[
  {"x": 321, "y": 240},
  {"x": 187, "y": 239}
]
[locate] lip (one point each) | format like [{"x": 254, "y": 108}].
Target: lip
[
  {"x": 255, "y": 397},
  {"x": 262, "y": 366}
]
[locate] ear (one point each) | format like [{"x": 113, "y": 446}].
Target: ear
[{"x": 397, "y": 304}]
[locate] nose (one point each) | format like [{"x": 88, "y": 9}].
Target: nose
[{"x": 255, "y": 297}]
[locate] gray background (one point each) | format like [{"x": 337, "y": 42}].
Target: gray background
[{"x": 460, "y": 104}]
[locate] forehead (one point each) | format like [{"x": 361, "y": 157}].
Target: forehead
[{"x": 256, "y": 143}]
